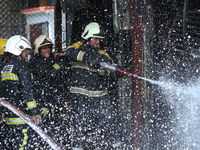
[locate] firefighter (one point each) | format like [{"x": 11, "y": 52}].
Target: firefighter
[
  {"x": 16, "y": 88},
  {"x": 94, "y": 122},
  {"x": 2, "y": 47},
  {"x": 46, "y": 72}
]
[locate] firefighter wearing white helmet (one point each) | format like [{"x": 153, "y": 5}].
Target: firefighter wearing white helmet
[
  {"x": 88, "y": 93},
  {"x": 17, "y": 44},
  {"x": 16, "y": 88}
]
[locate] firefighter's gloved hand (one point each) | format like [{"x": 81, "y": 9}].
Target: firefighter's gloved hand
[
  {"x": 93, "y": 59},
  {"x": 2, "y": 118},
  {"x": 101, "y": 59},
  {"x": 35, "y": 119},
  {"x": 107, "y": 66}
]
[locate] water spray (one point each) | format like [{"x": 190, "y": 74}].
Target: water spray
[
  {"x": 33, "y": 125},
  {"x": 161, "y": 84}
]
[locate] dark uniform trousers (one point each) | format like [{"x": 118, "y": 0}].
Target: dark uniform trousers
[
  {"x": 17, "y": 137},
  {"x": 94, "y": 124}
]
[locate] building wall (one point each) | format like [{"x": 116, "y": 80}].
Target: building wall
[
  {"x": 11, "y": 21},
  {"x": 42, "y": 17}
]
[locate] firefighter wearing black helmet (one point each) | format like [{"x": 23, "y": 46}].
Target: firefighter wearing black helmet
[
  {"x": 16, "y": 88},
  {"x": 93, "y": 118},
  {"x": 46, "y": 70}
]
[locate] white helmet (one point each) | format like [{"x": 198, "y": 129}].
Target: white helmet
[
  {"x": 41, "y": 41},
  {"x": 93, "y": 30},
  {"x": 16, "y": 44}
]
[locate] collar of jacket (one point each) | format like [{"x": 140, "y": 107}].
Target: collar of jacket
[
  {"x": 16, "y": 58},
  {"x": 43, "y": 58},
  {"x": 92, "y": 47}
]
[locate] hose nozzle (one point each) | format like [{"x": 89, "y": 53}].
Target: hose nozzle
[{"x": 108, "y": 66}]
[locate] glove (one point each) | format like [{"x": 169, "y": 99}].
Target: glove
[
  {"x": 94, "y": 59},
  {"x": 112, "y": 68},
  {"x": 108, "y": 66}
]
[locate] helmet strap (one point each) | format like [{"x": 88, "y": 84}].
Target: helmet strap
[{"x": 21, "y": 56}]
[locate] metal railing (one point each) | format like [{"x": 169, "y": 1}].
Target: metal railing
[{"x": 185, "y": 40}]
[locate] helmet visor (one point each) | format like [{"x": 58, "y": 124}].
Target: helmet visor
[{"x": 29, "y": 51}]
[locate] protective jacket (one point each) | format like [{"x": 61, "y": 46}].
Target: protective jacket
[
  {"x": 45, "y": 73},
  {"x": 17, "y": 88},
  {"x": 87, "y": 77}
]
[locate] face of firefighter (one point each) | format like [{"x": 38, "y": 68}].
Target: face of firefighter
[
  {"x": 29, "y": 55},
  {"x": 45, "y": 51},
  {"x": 24, "y": 55},
  {"x": 94, "y": 42}
]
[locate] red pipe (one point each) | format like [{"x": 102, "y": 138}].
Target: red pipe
[{"x": 137, "y": 70}]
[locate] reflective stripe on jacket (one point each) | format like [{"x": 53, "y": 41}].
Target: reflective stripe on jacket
[
  {"x": 88, "y": 93},
  {"x": 14, "y": 121}
]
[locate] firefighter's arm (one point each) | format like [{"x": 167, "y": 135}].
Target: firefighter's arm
[
  {"x": 92, "y": 56},
  {"x": 46, "y": 70},
  {"x": 26, "y": 89},
  {"x": 110, "y": 66},
  {"x": 75, "y": 52},
  {"x": 80, "y": 52}
]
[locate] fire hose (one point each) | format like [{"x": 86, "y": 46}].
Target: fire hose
[{"x": 33, "y": 125}]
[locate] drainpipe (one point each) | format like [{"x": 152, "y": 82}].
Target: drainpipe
[
  {"x": 137, "y": 69},
  {"x": 58, "y": 26},
  {"x": 185, "y": 10}
]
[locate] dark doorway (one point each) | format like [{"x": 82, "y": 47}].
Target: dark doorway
[
  {"x": 38, "y": 29},
  {"x": 98, "y": 11}
]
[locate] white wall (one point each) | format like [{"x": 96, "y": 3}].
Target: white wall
[{"x": 37, "y": 17}]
